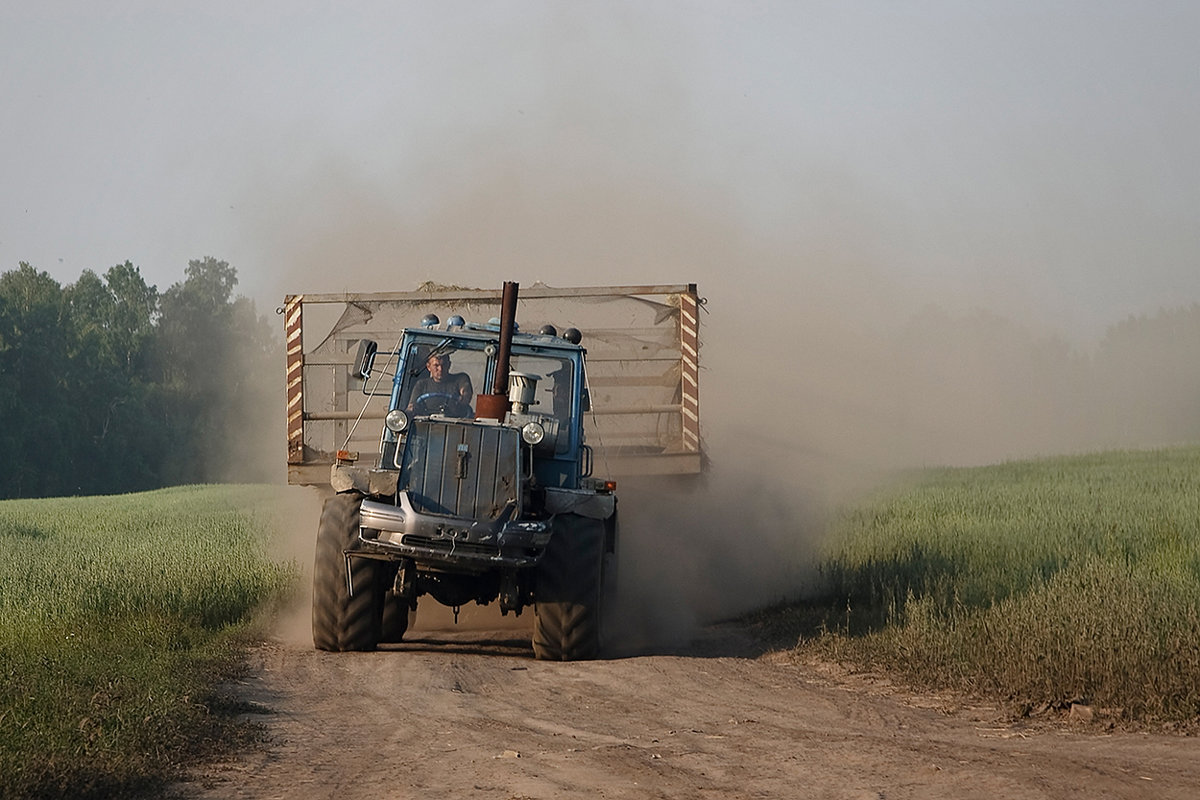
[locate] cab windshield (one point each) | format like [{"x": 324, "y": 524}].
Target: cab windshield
[
  {"x": 445, "y": 377},
  {"x": 555, "y": 379},
  {"x": 442, "y": 378}
]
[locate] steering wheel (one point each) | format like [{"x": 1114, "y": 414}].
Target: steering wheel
[{"x": 441, "y": 403}]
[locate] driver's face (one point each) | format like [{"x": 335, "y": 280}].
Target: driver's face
[{"x": 437, "y": 368}]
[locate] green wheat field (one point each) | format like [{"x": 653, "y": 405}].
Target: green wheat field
[
  {"x": 1045, "y": 582},
  {"x": 118, "y": 616}
]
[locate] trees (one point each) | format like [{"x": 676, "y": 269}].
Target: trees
[
  {"x": 106, "y": 385},
  {"x": 1150, "y": 377},
  {"x": 33, "y": 340},
  {"x": 111, "y": 327},
  {"x": 215, "y": 356},
  {"x": 977, "y": 388}
]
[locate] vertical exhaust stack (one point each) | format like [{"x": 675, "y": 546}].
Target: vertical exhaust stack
[{"x": 496, "y": 404}]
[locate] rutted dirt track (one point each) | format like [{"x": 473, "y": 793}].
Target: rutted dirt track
[{"x": 471, "y": 714}]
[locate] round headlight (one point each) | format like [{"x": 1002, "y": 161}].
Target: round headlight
[
  {"x": 396, "y": 420},
  {"x": 533, "y": 432}
]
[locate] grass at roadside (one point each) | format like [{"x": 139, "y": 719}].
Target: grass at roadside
[
  {"x": 117, "y": 617},
  {"x": 1043, "y": 582}
]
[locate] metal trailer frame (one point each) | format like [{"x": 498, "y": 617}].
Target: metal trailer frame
[{"x": 684, "y": 455}]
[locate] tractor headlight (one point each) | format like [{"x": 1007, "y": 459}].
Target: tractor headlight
[
  {"x": 396, "y": 421},
  {"x": 533, "y": 433}
]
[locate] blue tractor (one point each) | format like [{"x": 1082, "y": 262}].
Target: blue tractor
[{"x": 482, "y": 490}]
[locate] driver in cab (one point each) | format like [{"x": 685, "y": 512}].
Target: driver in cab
[{"x": 442, "y": 391}]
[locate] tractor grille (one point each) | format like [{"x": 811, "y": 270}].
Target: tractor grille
[
  {"x": 460, "y": 469},
  {"x": 451, "y": 546}
]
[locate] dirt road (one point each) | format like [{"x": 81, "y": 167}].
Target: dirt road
[{"x": 471, "y": 714}]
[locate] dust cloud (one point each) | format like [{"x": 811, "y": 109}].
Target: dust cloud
[
  {"x": 297, "y": 510},
  {"x": 824, "y": 368},
  {"x": 822, "y": 373}
]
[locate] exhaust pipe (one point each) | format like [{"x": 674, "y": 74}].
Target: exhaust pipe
[{"x": 496, "y": 404}]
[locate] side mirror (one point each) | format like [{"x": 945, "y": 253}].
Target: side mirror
[
  {"x": 365, "y": 360},
  {"x": 585, "y": 401}
]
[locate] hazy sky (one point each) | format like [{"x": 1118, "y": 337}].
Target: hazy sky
[{"x": 1040, "y": 158}]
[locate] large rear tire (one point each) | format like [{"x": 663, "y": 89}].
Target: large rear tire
[
  {"x": 341, "y": 621},
  {"x": 569, "y": 591}
]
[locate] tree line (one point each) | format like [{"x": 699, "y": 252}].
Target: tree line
[
  {"x": 979, "y": 387},
  {"x": 108, "y": 385}
]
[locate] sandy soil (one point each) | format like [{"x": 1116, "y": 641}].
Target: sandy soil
[{"x": 469, "y": 713}]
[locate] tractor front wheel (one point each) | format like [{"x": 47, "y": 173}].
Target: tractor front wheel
[
  {"x": 569, "y": 590},
  {"x": 343, "y": 619}
]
